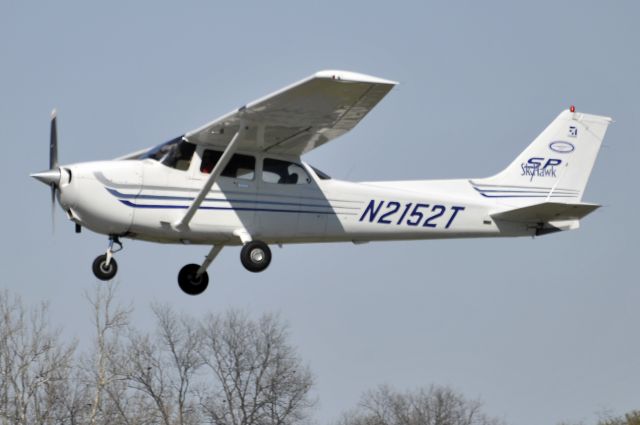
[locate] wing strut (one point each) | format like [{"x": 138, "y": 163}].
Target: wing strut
[{"x": 183, "y": 223}]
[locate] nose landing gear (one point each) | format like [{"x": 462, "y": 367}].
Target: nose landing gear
[{"x": 105, "y": 266}]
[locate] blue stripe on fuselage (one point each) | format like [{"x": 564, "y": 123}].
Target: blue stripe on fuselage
[
  {"x": 119, "y": 194},
  {"x": 202, "y": 207}
]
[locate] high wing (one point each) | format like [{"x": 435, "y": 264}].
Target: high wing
[{"x": 300, "y": 117}]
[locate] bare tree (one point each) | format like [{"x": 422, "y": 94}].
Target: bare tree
[
  {"x": 181, "y": 339},
  {"x": 630, "y": 418},
  {"x": 103, "y": 378},
  {"x": 225, "y": 369},
  {"x": 146, "y": 375},
  {"x": 35, "y": 365},
  {"x": 432, "y": 406},
  {"x": 259, "y": 379},
  {"x": 609, "y": 417},
  {"x": 164, "y": 366}
]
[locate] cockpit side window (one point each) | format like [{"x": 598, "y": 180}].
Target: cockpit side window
[
  {"x": 176, "y": 153},
  {"x": 158, "y": 152},
  {"x": 283, "y": 172},
  {"x": 179, "y": 157},
  {"x": 239, "y": 167}
]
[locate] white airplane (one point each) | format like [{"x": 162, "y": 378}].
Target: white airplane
[{"x": 240, "y": 180}]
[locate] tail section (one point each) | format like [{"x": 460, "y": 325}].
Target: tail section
[{"x": 556, "y": 166}]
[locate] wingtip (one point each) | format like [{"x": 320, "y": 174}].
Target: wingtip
[{"x": 340, "y": 75}]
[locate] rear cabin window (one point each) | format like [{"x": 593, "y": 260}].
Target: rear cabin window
[
  {"x": 239, "y": 167},
  {"x": 283, "y": 172}
]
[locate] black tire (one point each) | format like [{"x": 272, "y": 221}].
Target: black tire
[
  {"x": 255, "y": 256},
  {"x": 101, "y": 271},
  {"x": 188, "y": 282}
]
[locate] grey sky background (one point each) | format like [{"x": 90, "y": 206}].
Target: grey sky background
[{"x": 542, "y": 330}]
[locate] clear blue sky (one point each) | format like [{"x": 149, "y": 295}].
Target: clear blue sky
[{"x": 542, "y": 330}]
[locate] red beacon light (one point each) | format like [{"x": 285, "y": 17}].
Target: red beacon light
[{"x": 572, "y": 108}]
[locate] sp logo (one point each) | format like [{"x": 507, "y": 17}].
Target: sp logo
[
  {"x": 538, "y": 167},
  {"x": 537, "y": 162}
]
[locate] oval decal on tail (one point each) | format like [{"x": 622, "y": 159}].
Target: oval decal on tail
[{"x": 561, "y": 147}]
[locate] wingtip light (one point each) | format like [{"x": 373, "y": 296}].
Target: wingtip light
[{"x": 572, "y": 108}]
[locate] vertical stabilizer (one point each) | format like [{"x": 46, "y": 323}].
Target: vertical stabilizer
[{"x": 556, "y": 166}]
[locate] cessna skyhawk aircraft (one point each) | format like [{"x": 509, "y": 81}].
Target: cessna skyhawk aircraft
[{"x": 240, "y": 180}]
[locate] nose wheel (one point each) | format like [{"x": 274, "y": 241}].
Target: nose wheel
[
  {"x": 105, "y": 266},
  {"x": 104, "y": 270}
]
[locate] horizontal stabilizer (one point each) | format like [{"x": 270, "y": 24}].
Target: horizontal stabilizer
[{"x": 546, "y": 212}]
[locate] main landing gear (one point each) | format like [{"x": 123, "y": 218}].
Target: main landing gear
[
  {"x": 255, "y": 256},
  {"x": 105, "y": 266},
  {"x": 193, "y": 279}
]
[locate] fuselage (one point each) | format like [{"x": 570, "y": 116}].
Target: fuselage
[{"x": 144, "y": 198}]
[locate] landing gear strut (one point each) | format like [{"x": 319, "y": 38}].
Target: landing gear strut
[
  {"x": 105, "y": 266},
  {"x": 194, "y": 279}
]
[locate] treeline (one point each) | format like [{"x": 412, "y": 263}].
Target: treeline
[
  {"x": 222, "y": 369},
  {"x": 631, "y": 418}
]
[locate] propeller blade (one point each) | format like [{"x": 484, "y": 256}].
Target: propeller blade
[
  {"x": 53, "y": 165},
  {"x": 53, "y": 209},
  {"x": 51, "y": 177},
  {"x": 53, "y": 145}
]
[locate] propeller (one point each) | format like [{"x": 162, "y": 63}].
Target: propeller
[{"x": 51, "y": 177}]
